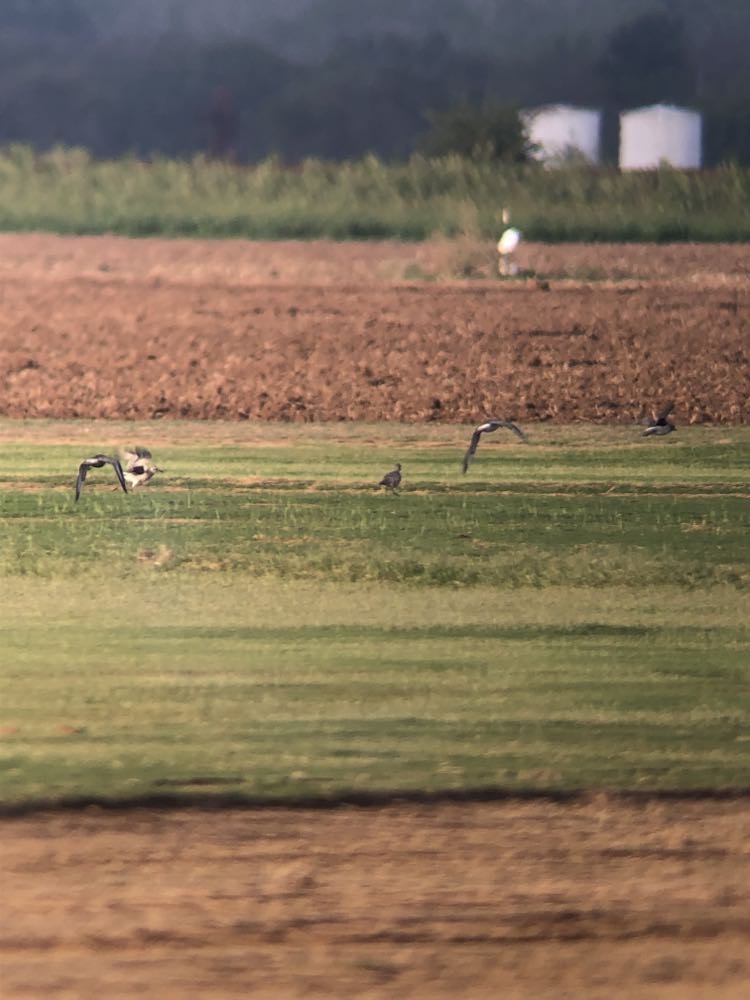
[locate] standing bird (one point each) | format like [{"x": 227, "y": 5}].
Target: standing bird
[
  {"x": 660, "y": 424},
  {"x": 486, "y": 428},
  {"x": 507, "y": 246},
  {"x": 98, "y": 462},
  {"x": 392, "y": 480},
  {"x": 139, "y": 467}
]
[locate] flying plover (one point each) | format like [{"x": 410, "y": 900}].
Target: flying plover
[
  {"x": 486, "y": 428},
  {"x": 98, "y": 462},
  {"x": 660, "y": 425},
  {"x": 139, "y": 466}
]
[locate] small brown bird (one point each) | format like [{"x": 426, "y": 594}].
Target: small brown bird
[
  {"x": 98, "y": 462},
  {"x": 486, "y": 428},
  {"x": 392, "y": 480}
]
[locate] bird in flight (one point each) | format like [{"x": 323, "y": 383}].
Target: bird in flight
[
  {"x": 391, "y": 480},
  {"x": 139, "y": 466},
  {"x": 660, "y": 424},
  {"x": 98, "y": 462},
  {"x": 486, "y": 428}
]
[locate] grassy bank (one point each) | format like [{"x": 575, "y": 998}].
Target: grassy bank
[
  {"x": 65, "y": 191},
  {"x": 264, "y": 623}
]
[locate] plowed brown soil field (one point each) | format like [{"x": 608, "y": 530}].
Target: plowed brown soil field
[{"x": 107, "y": 327}]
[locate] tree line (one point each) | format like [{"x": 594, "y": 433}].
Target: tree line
[{"x": 390, "y": 94}]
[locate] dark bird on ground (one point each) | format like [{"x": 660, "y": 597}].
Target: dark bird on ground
[
  {"x": 660, "y": 424},
  {"x": 486, "y": 428},
  {"x": 391, "y": 480},
  {"x": 139, "y": 467},
  {"x": 98, "y": 462}
]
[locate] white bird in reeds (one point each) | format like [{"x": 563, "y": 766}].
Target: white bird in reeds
[
  {"x": 660, "y": 425},
  {"x": 487, "y": 428},
  {"x": 140, "y": 467},
  {"x": 507, "y": 246},
  {"x": 98, "y": 462},
  {"x": 392, "y": 480}
]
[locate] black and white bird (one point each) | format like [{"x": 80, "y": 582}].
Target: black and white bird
[
  {"x": 660, "y": 424},
  {"x": 392, "y": 480},
  {"x": 98, "y": 462},
  {"x": 487, "y": 428},
  {"x": 140, "y": 467}
]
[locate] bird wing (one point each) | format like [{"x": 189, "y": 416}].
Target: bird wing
[
  {"x": 83, "y": 468},
  {"x": 664, "y": 413},
  {"x": 493, "y": 425},
  {"x": 471, "y": 451},
  {"x": 130, "y": 458},
  {"x": 142, "y": 452},
  {"x": 96, "y": 462},
  {"x": 515, "y": 428},
  {"x": 115, "y": 463}
]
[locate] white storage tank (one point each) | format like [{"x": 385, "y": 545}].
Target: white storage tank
[
  {"x": 660, "y": 134},
  {"x": 563, "y": 132}
]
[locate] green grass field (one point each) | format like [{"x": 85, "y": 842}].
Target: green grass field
[
  {"x": 261, "y": 622},
  {"x": 66, "y": 191}
]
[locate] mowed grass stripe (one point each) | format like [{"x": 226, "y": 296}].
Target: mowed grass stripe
[
  {"x": 284, "y": 641},
  {"x": 444, "y": 538},
  {"x": 564, "y": 712},
  {"x": 358, "y": 455},
  {"x": 595, "y": 632}
]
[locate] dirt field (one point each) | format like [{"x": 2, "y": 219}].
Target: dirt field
[
  {"x": 521, "y": 899},
  {"x": 106, "y": 327}
]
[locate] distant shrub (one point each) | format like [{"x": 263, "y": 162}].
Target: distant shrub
[{"x": 489, "y": 133}]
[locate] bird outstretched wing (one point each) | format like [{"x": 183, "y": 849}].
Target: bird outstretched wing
[
  {"x": 471, "y": 451},
  {"x": 664, "y": 413},
  {"x": 132, "y": 456},
  {"x": 509, "y": 425},
  {"x": 115, "y": 463},
  {"x": 488, "y": 426},
  {"x": 96, "y": 462},
  {"x": 83, "y": 468}
]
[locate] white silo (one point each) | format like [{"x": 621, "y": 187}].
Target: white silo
[
  {"x": 660, "y": 134},
  {"x": 562, "y": 132}
]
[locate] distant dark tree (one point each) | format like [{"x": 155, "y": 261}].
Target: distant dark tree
[
  {"x": 727, "y": 134},
  {"x": 646, "y": 61},
  {"x": 563, "y": 72},
  {"x": 45, "y": 17},
  {"x": 370, "y": 95},
  {"x": 115, "y": 77},
  {"x": 493, "y": 132},
  {"x": 222, "y": 124}
]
